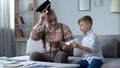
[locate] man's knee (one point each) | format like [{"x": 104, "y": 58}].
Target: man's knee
[
  {"x": 36, "y": 56},
  {"x": 62, "y": 53},
  {"x": 61, "y": 57}
]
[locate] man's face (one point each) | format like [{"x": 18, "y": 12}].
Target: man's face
[{"x": 52, "y": 20}]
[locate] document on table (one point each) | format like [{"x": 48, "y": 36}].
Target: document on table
[{"x": 33, "y": 64}]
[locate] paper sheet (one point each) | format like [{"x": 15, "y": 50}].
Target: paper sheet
[{"x": 68, "y": 43}]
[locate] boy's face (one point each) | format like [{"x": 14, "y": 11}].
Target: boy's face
[{"x": 84, "y": 27}]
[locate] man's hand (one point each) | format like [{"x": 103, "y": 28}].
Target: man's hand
[
  {"x": 42, "y": 18},
  {"x": 65, "y": 47}
]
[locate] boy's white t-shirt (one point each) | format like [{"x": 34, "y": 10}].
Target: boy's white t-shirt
[{"x": 90, "y": 40}]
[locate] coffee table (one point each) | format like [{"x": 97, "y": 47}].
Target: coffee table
[
  {"x": 24, "y": 62},
  {"x": 49, "y": 65}
]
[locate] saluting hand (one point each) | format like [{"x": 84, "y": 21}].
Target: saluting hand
[{"x": 42, "y": 17}]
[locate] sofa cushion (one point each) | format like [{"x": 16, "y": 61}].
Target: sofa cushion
[
  {"x": 119, "y": 49},
  {"x": 111, "y": 63},
  {"x": 34, "y": 46},
  {"x": 74, "y": 59},
  {"x": 78, "y": 52},
  {"x": 109, "y": 47}
]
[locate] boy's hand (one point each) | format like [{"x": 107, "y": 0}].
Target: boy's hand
[{"x": 74, "y": 44}]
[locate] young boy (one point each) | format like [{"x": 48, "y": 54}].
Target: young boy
[{"x": 92, "y": 54}]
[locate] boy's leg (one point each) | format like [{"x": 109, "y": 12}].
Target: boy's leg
[
  {"x": 61, "y": 57},
  {"x": 95, "y": 63},
  {"x": 83, "y": 64},
  {"x": 36, "y": 56}
]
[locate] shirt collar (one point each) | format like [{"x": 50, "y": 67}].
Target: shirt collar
[
  {"x": 54, "y": 28},
  {"x": 85, "y": 34},
  {"x": 90, "y": 31}
]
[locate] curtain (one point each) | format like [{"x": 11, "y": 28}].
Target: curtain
[{"x": 7, "y": 47}]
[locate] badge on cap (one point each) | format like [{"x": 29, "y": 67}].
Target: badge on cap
[{"x": 45, "y": 7}]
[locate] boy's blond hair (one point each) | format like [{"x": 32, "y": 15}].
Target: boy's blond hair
[{"x": 87, "y": 19}]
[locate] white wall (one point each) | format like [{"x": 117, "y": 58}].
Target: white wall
[{"x": 105, "y": 22}]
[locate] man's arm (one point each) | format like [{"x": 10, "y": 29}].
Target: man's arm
[
  {"x": 36, "y": 30},
  {"x": 67, "y": 36}
]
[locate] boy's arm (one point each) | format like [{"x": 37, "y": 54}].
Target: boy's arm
[
  {"x": 84, "y": 48},
  {"x": 74, "y": 44}
]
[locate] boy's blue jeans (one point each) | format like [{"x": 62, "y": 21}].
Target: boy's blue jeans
[{"x": 95, "y": 63}]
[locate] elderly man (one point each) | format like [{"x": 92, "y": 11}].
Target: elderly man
[{"x": 56, "y": 34}]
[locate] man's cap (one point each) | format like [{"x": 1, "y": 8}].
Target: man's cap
[{"x": 45, "y": 7}]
